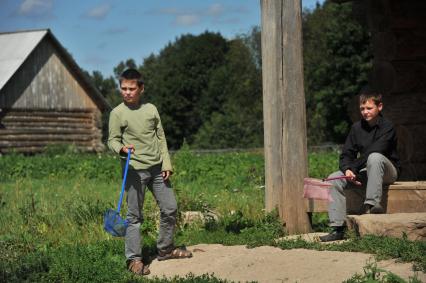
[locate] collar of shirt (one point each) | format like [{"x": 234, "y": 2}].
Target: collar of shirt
[{"x": 366, "y": 126}]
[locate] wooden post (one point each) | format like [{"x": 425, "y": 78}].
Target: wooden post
[{"x": 284, "y": 112}]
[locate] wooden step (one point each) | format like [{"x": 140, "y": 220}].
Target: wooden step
[{"x": 399, "y": 197}]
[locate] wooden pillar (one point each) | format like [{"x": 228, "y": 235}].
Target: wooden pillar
[{"x": 284, "y": 112}]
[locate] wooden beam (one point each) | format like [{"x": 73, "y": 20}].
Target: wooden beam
[
  {"x": 284, "y": 112},
  {"x": 400, "y": 197}
]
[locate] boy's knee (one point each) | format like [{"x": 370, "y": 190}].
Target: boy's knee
[
  {"x": 170, "y": 209},
  {"x": 374, "y": 158},
  {"x": 335, "y": 174}
]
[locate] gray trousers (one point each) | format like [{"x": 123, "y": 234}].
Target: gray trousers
[
  {"x": 379, "y": 171},
  {"x": 136, "y": 184}
]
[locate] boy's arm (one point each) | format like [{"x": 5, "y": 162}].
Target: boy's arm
[
  {"x": 167, "y": 164},
  {"x": 115, "y": 135},
  {"x": 349, "y": 153}
]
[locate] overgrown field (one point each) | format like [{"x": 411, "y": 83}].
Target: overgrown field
[{"x": 51, "y": 208}]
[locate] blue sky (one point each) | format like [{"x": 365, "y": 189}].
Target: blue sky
[{"x": 99, "y": 34}]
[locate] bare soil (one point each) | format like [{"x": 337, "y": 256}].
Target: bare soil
[{"x": 270, "y": 264}]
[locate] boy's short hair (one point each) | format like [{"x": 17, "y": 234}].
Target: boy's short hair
[
  {"x": 131, "y": 74},
  {"x": 367, "y": 94}
]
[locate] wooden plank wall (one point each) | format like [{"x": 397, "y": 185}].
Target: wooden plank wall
[
  {"x": 399, "y": 70},
  {"x": 32, "y": 131},
  {"x": 44, "y": 81}
]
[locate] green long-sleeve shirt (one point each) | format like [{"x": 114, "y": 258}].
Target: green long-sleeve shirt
[{"x": 141, "y": 127}]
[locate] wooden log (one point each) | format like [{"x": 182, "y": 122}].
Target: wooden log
[
  {"x": 382, "y": 76},
  {"x": 406, "y": 45},
  {"x": 410, "y": 77},
  {"x": 42, "y": 143},
  {"x": 46, "y": 137},
  {"x": 37, "y": 149},
  {"x": 410, "y": 44},
  {"x": 378, "y": 15},
  {"x": 406, "y": 14},
  {"x": 405, "y": 108},
  {"x": 47, "y": 125},
  {"x": 46, "y": 119},
  {"x": 75, "y": 114},
  {"x": 34, "y": 131},
  {"x": 413, "y": 171},
  {"x": 384, "y": 46},
  {"x": 284, "y": 112}
]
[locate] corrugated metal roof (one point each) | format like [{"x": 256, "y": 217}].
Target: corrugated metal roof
[{"x": 14, "y": 49}]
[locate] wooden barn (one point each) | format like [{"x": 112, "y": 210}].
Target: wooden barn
[{"x": 45, "y": 98}]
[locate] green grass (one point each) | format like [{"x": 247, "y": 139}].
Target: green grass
[{"x": 51, "y": 208}]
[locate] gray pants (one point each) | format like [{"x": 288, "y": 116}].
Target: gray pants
[
  {"x": 379, "y": 171},
  {"x": 137, "y": 182}
]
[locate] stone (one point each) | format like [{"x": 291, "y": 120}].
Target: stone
[{"x": 391, "y": 225}]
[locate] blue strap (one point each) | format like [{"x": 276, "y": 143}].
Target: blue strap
[{"x": 123, "y": 185}]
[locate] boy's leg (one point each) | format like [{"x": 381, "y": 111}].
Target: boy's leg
[
  {"x": 380, "y": 170},
  {"x": 135, "y": 188},
  {"x": 337, "y": 207},
  {"x": 165, "y": 197}
]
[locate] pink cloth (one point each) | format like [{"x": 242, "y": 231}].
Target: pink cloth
[{"x": 317, "y": 189}]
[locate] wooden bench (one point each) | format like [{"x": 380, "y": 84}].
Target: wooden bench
[{"x": 399, "y": 197}]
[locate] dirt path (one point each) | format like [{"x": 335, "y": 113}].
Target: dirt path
[{"x": 270, "y": 264}]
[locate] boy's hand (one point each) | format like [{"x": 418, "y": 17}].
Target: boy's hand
[
  {"x": 126, "y": 148},
  {"x": 352, "y": 176},
  {"x": 166, "y": 174}
]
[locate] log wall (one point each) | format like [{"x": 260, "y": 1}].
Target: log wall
[
  {"x": 31, "y": 131},
  {"x": 399, "y": 70}
]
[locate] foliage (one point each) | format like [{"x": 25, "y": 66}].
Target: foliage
[
  {"x": 373, "y": 274},
  {"x": 336, "y": 62},
  {"x": 176, "y": 78},
  {"x": 237, "y": 121}
]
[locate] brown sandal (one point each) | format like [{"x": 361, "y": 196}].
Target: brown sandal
[
  {"x": 176, "y": 253},
  {"x": 137, "y": 267}
]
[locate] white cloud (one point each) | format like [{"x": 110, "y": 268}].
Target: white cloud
[
  {"x": 99, "y": 12},
  {"x": 35, "y": 8},
  {"x": 216, "y": 12},
  {"x": 187, "y": 19},
  {"x": 215, "y": 9}
]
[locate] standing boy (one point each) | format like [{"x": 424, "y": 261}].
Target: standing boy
[
  {"x": 368, "y": 158},
  {"x": 136, "y": 127}
]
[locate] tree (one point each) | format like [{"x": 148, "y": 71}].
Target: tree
[
  {"x": 238, "y": 122},
  {"x": 337, "y": 60},
  {"x": 175, "y": 81}
]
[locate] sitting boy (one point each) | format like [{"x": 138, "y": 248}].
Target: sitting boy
[{"x": 369, "y": 158}]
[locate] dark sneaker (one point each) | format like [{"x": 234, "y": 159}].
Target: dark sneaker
[
  {"x": 373, "y": 209},
  {"x": 333, "y": 236}
]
